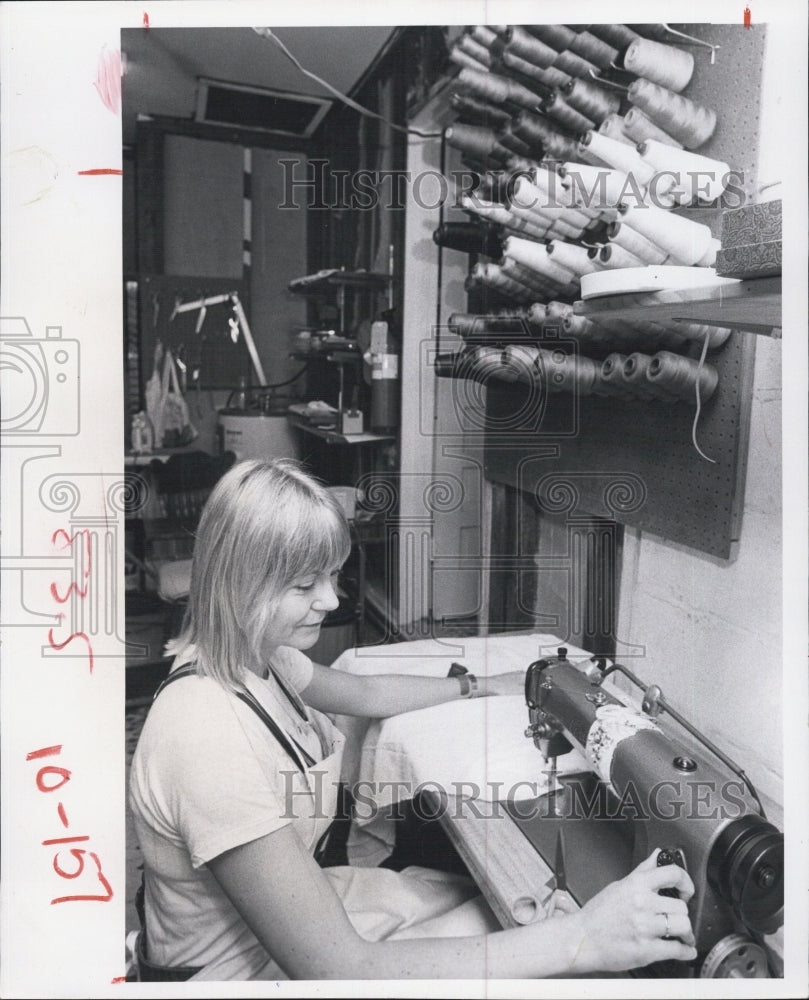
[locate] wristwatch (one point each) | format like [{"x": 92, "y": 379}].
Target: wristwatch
[{"x": 469, "y": 685}]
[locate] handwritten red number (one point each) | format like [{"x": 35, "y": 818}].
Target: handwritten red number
[
  {"x": 62, "y": 771},
  {"x": 76, "y": 635},
  {"x": 92, "y": 899},
  {"x": 77, "y": 853}
]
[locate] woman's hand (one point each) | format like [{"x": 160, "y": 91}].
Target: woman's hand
[
  {"x": 628, "y": 924},
  {"x": 510, "y": 683}
]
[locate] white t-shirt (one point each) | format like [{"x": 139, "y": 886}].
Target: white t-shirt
[{"x": 207, "y": 776}]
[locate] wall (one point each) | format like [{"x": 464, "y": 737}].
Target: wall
[
  {"x": 202, "y": 236},
  {"x": 711, "y": 628}
]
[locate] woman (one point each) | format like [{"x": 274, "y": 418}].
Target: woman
[{"x": 234, "y": 783}]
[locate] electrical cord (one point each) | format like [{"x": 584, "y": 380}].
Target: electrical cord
[{"x": 271, "y": 36}]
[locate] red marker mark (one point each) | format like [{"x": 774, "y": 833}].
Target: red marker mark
[
  {"x": 44, "y": 752},
  {"x": 108, "y": 79},
  {"x": 146, "y": 26},
  {"x": 76, "y": 852},
  {"x": 118, "y": 979},
  {"x": 748, "y": 23},
  {"x": 100, "y": 172},
  {"x": 76, "y": 635}
]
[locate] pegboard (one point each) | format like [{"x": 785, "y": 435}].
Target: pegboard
[
  {"x": 632, "y": 461},
  {"x": 635, "y": 461},
  {"x": 212, "y": 359}
]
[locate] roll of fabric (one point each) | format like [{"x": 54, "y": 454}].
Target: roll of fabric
[
  {"x": 681, "y": 376},
  {"x": 637, "y": 126},
  {"x": 664, "y": 65},
  {"x": 686, "y": 121}
]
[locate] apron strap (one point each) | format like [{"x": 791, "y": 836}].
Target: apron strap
[{"x": 301, "y": 757}]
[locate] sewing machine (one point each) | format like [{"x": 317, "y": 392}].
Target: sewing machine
[{"x": 650, "y": 790}]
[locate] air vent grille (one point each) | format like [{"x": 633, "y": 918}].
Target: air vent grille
[{"x": 259, "y": 109}]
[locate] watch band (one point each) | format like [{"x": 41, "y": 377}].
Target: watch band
[{"x": 469, "y": 685}]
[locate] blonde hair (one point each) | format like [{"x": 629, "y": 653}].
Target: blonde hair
[{"x": 265, "y": 525}]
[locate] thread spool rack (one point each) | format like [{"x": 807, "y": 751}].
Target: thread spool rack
[{"x": 584, "y": 442}]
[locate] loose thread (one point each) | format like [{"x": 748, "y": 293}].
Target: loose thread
[{"x": 699, "y": 402}]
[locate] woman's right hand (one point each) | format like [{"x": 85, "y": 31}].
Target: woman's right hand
[{"x": 628, "y": 924}]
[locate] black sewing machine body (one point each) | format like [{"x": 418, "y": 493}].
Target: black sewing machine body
[{"x": 660, "y": 792}]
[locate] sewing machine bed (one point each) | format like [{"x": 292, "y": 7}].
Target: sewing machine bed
[{"x": 598, "y": 844}]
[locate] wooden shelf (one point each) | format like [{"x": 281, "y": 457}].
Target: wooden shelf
[{"x": 753, "y": 305}]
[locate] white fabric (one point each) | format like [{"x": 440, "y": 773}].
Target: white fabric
[
  {"x": 612, "y": 725},
  {"x": 478, "y": 741}
]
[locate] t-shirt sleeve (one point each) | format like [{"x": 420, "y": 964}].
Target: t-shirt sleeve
[
  {"x": 294, "y": 666},
  {"x": 214, "y": 792}
]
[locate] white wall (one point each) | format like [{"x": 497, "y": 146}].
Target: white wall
[{"x": 712, "y": 628}]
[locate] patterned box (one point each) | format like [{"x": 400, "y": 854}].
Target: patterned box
[{"x": 751, "y": 241}]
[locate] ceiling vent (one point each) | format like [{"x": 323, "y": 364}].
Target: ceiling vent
[{"x": 258, "y": 108}]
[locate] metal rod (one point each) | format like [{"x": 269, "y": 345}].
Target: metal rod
[
  {"x": 708, "y": 744},
  {"x": 694, "y": 41}
]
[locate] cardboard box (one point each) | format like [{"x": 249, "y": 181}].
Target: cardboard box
[{"x": 751, "y": 241}]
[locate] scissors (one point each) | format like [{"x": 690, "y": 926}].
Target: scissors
[{"x": 560, "y": 901}]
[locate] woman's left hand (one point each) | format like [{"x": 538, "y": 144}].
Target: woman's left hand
[{"x": 510, "y": 683}]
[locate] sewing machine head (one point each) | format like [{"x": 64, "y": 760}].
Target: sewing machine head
[{"x": 663, "y": 793}]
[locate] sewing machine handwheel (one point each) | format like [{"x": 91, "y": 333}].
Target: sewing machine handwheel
[
  {"x": 734, "y": 957},
  {"x": 746, "y": 867}
]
